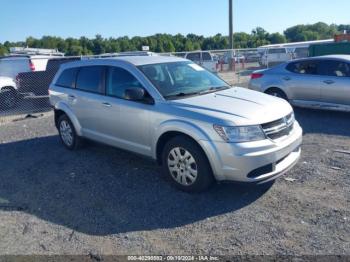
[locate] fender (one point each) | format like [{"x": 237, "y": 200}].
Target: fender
[
  {"x": 63, "y": 107},
  {"x": 192, "y": 131},
  {"x": 7, "y": 81}
]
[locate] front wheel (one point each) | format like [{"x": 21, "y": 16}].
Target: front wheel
[{"x": 186, "y": 165}]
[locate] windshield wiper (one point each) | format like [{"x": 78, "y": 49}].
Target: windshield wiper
[
  {"x": 182, "y": 94},
  {"x": 214, "y": 89},
  {"x": 208, "y": 91}
]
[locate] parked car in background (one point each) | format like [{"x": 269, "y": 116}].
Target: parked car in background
[
  {"x": 319, "y": 82},
  {"x": 202, "y": 58},
  {"x": 36, "y": 84},
  {"x": 10, "y": 67},
  {"x": 252, "y": 57},
  {"x": 300, "y": 52},
  {"x": 181, "y": 115},
  {"x": 274, "y": 56}
]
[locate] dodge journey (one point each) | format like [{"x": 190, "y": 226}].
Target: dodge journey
[{"x": 196, "y": 126}]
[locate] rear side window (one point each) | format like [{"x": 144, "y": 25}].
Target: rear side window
[
  {"x": 304, "y": 67},
  {"x": 119, "y": 80},
  {"x": 67, "y": 78},
  {"x": 335, "y": 68},
  {"x": 90, "y": 79}
]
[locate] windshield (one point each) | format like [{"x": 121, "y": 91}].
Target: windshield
[{"x": 179, "y": 79}]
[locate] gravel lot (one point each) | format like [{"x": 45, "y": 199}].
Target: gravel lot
[{"x": 102, "y": 200}]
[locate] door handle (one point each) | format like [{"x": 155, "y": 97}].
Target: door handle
[
  {"x": 71, "y": 97},
  {"x": 106, "y": 104},
  {"x": 287, "y": 78},
  {"x": 328, "y": 82}
]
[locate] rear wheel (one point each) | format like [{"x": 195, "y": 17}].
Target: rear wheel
[
  {"x": 186, "y": 165},
  {"x": 277, "y": 93},
  {"x": 9, "y": 97},
  {"x": 67, "y": 133}
]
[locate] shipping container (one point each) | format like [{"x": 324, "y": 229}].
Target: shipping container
[{"x": 329, "y": 49}]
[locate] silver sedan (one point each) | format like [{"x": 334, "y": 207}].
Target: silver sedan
[{"x": 318, "y": 82}]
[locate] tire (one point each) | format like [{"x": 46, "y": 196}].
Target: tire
[
  {"x": 68, "y": 134},
  {"x": 186, "y": 165},
  {"x": 277, "y": 93},
  {"x": 9, "y": 98}
]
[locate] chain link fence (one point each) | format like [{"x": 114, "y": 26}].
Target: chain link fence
[
  {"x": 24, "y": 83},
  {"x": 25, "y": 79}
]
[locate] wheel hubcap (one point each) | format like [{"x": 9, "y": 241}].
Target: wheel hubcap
[
  {"x": 66, "y": 133},
  {"x": 182, "y": 166}
]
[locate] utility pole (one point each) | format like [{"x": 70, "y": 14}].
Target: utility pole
[{"x": 230, "y": 14}]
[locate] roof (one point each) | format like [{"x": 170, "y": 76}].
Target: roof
[
  {"x": 134, "y": 60},
  {"x": 343, "y": 57},
  {"x": 297, "y": 44},
  {"x": 337, "y": 57},
  {"x": 146, "y": 60}
]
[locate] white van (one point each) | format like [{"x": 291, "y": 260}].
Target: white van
[
  {"x": 202, "y": 58},
  {"x": 274, "y": 56}
]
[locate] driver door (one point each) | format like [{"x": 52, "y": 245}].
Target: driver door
[{"x": 129, "y": 126}]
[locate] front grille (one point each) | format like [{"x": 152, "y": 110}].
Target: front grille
[{"x": 279, "y": 128}]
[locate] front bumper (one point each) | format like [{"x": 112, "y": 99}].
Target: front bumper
[{"x": 256, "y": 162}]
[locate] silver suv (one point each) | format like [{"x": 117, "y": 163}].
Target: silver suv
[{"x": 172, "y": 110}]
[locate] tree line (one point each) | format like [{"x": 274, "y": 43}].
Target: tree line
[{"x": 178, "y": 43}]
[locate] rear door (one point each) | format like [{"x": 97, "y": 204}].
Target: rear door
[
  {"x": 87, "y": 100},
  {"x": 303, "y": 81},
  {"x": 335, "y": 87}
]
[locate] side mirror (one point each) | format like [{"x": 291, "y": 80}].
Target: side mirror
[{"x": 134, "y": 94}]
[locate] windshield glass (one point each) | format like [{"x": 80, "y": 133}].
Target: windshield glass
[{"x": 181, "y": 79}]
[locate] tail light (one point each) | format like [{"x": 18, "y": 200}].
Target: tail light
[
  {"x": 256, "y": 75},
  {"x": 31, "y": 66}
]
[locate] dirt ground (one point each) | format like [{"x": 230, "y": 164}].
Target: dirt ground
[{"x": 102, "y": 200}]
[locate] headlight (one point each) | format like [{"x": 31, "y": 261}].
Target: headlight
[{"x": 240, "y": 134}]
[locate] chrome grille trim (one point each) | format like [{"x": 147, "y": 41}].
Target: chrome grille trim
[{"x": 279, "y": 128}]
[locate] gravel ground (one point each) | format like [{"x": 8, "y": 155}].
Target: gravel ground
[{"x": 102, "y": 200}]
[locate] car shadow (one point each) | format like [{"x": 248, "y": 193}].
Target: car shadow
[
  {"x": 100, "y": 190},
  {"x": 323, "y": 122}
]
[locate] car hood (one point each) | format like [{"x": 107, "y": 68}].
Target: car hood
[{"x": 237, "y": 106}]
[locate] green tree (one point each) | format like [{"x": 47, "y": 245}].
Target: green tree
[{"x": 276, "y": 38}]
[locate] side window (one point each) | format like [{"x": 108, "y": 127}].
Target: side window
[
  {"x": 90, "y": 79},
  {"x": 335, "y": 68},
  {"x": 67, "y": 78},
  {"x": 304, "y": 67},
  {"x": 194, "y": 57},
  {"x": 278, "y": 51},
  {"x": 206, "y": 56},
  {"x": 119, "y": 80}
]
